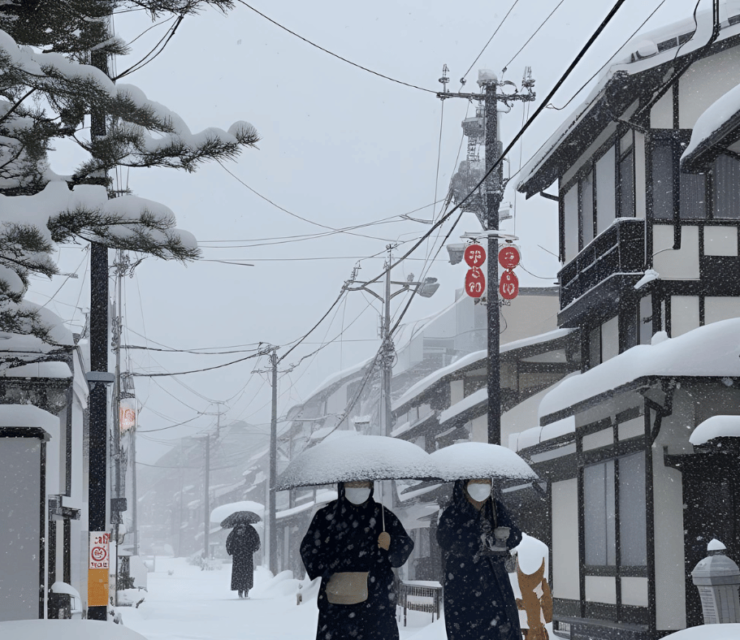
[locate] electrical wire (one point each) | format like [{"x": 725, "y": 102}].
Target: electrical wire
[
  {"x": 189, "y": 351},
  {"x": 501, "y": 24},
  {"x": 184, "y": 373},
  {"x": 544, "y": 22},
  {"x": 313, "y": 44}
]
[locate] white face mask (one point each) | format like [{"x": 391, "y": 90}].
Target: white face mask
[
  {"x": 357, "y": 495},
  {"x": 478, "y": 491}
]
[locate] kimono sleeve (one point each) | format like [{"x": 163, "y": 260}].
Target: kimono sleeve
[
  {"x": 401, "y": 543},
  {"x": 314, "y": 546},
  {"x": 504, "y": 519}
]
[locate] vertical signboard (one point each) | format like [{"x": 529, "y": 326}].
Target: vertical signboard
[{"x": 97, "y": 569}]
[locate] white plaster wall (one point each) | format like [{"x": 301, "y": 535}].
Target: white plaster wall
[
  {"x": 705, "y": 82},
  {"x": 337, "y": 401},
  {"x": 661, "y": 115},
  {"x": 684, "y": 314},
  {"x": 635, "y": 592},
  {"x": 718, "y": 308},
  {"x": 720, "y": 241},
  {"x": 565, "y": 562},
  {"x": 682, "y": 264},
  {"x": 602, "y": 438},
  {"x": 668, "y": 513},
  {"x": 588, "y": 153},
  {"x": 610, "y": 339},
  {"x": 631, "y": 428},
  {"x": 457, "y": 391},
  {"x": 479, "y": 429},
  {"x": 601, "y": 589}
]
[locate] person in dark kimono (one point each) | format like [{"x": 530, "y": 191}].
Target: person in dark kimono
[
  {"x": 479, "y": 600},
  {"x": 353, "y": 547},
  {"x": 242, "y": 543}
]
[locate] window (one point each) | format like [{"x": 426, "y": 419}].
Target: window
[
  {"x": 693, "y": 196},
  {"x": 662, "y": 182},
  {"x": 587, "y": 208},
  {"x": 594, "y": 347},
  {"x": 600, "y": 514},
  {"x": 605, "y": 190},
  {"x": 570, "y": 220},
  {"x": 726, "y": 187},
  {"x": 627, "y": 185},
  {"x": 604, "y": 514},
  {"x": 645, "y": 319},
  {"x": 610, "y": 339}
]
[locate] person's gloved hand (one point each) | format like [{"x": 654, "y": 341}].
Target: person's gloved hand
[{"x": 384, "y": 541}]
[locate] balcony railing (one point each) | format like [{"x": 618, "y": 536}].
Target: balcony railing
[{"x": 619, "y": 249}]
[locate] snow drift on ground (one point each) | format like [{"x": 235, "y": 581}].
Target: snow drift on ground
[{"x": 66, "y": 630}]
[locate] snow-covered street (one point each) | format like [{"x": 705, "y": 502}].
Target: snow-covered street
[{"x": 185, "y": 603}]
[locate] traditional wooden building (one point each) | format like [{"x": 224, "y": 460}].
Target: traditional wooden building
[{"x": 651, "y": 277}]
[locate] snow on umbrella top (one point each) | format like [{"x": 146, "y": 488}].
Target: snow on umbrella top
[
  {"x": 466, "y": 460},
  {"x": 220, "y": 514},
  {"x": 359, "y": 458},
  {"x": 240, "y": 517}
]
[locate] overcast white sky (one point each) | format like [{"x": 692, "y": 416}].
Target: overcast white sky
[{"x": 339, "y": 147}]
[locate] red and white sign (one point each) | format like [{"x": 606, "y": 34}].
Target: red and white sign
[
  {"x": 475, "y": 283},
  {"x": 509, "y": 285},
  {"x": 475, "y": 255},
  {"x": 127, "y": 415},
  {"x": 99, "y": 550},
  {"x": 509, "y": 257}
]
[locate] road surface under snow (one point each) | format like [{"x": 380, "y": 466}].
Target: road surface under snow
[{"x": 185, "y": 603}]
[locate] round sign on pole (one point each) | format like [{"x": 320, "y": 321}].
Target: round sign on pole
[
  {"x": 475, "y": 283},
  {"x": 509, "y": 257},
  {"x": 475, "y": 255},
  {"x": 509, "y": 285}
]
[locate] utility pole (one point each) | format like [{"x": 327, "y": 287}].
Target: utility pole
[
  {"x": 426, "y": 289},
  {"x": 272, "y": 532},
  {"x": 134, "y": 499},
  {"x": 206, "y": 497},
  {"x": 491, "y": 94}
]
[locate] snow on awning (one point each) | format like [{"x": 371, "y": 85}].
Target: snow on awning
[
  {"x": 711, "y": 350},
  {"x": 26, "y": 416},
  {"x": 356, "y": 458},
  {"x": 465, "y": 460},
  {"x": 716, "y": 427},
  {"x": 714, "y": 129}
]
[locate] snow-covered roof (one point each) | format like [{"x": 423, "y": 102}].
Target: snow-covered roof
[
  {"x": 719, "y": 120},
  {"x": 716, "y": 427},
  {"x": 466, "y": 460},
  {"x": 475, "y": 358},
  {"x": 358, "y": 458},
  {"x": 711, "y": 350},
  {"x": 536, "y": 435},
  {"x": 643, "y": 52},
  {"x": 38, "y": 370},
  {"x": 28, "y": 416},
  {"x": 468, "y": 402}
]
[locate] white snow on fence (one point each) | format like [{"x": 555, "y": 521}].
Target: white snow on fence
[
  {"x": 711, "y": 350},
  {"x": 716, "y": 427}
]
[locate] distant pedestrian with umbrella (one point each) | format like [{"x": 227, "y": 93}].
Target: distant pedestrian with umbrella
[
  {"x": 476, "y": 533},
  {"x": 241, "y": 544},
  {"x": 353, "y": 544}
]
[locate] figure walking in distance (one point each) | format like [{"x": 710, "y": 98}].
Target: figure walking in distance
[
  {"x": 241, "y": 544},
  {"x": 353, "y": 544},
  {"x": 476, "y": 533}
]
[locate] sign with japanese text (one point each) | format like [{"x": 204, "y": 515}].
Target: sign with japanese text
[
  {"x": 127, "y": 415},
  {"x": 475, "y": 255},
  {"x": 475, "y": 283},
  {"x": 509, "y": 257},
  {"x": 509, "y": 285},
  {"x": 99, "y": 550}
]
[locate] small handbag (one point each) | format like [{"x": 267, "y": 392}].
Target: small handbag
[{"x": 347, "y": 587}]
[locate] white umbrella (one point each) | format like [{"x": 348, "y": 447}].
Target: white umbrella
[
  {"x": 356, "y": 458},
  {"x": 465, "y": 460}
]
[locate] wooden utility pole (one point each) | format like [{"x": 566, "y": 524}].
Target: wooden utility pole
[
  {"x": 493, "y": 189},
  {"x": 272, "y": 506}
]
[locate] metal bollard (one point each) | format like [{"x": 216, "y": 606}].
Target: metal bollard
[{"x": 718, "y": 578}]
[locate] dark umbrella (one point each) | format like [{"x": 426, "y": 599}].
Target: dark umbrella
[{"x": 240, "y": 517}]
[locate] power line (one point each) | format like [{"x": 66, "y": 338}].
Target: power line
[
  {"x": 313, "y": 44},
  {"x": 544, "y": 22},
  {"x": 189, "y": 351},
  {"x": 501, "y": 24},
  {"x": 184, "y": 373}
]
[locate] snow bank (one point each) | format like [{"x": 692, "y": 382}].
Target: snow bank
[
  {"x": 66, "y": 629},
  {"x": 530, "y": 554},
  {"x": 716, "y": 427},
  {"x": 357, "y": 458},
  {"x": 711, "y": 350},
  {"x": 225, "y": 510},
  {"x": 283, "y": 584},
  {"x": 479, "y": 460},
  {"x": 707, "y": 632}
]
